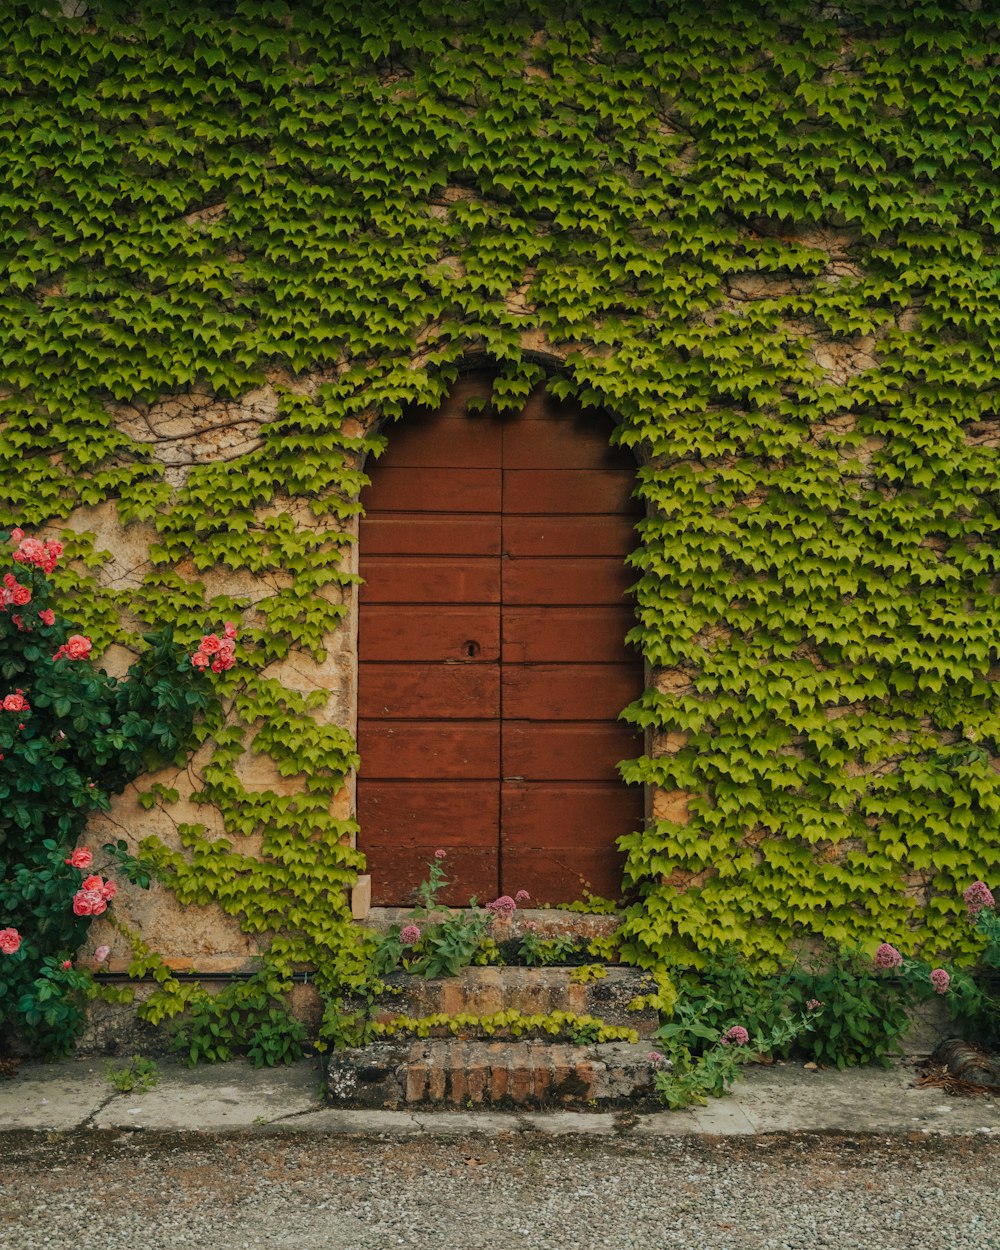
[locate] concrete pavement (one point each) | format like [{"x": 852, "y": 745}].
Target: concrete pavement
[{"x": 784, "y": 1099}]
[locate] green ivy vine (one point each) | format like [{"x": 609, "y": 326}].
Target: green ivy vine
[{"x": 762, "y": 236}]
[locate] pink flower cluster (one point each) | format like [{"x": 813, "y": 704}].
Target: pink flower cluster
[
  {"x": 44, "y": 556},
  {"x": 410, "y": 936},
  {"x": 887, "y": 957},
  {"x": 940, "y": 980},
  {"x": 978, "y": 896},
  {"x": 735, "y": 1036},
  {"x": 223, "y": 649},
  {"x": 76, "y": 647},
  {"x": 15, "y": 702},
  {"x": 10, "y": 941},
  {"x": 502, "y": 908},
  {"x": 93, "y": 896},
  {"x": 13, "y": 593}
]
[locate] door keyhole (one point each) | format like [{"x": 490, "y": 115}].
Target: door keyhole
[{"x": 471, "y": 649}]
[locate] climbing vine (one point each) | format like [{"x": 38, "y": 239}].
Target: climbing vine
[{"x": 762, "y": 236}]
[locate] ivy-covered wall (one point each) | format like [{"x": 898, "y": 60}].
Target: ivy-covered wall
[{"x": 762, "y": 236}]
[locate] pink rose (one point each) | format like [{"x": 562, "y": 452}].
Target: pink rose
[
  {"x": 229, "y": 629},
  {"x": 93, "y": 883},
  {"x": 78, "y": 647},
  {"x": 439, "y": 854},
  {"x": 47, "y": 616},
  {"x": 16, "y": 534},
  {"x": 101, "y": 954},
  {"x": 15, "y": 703},
  {"x": 210, "y": 644},
  {"x": 81, "y": 858},
  {"x": 67, "y": 963},
  {"x": 88, "y": 903},
  {"x": 199, "y": 660},
  {"x": 30, "y": 551},
  {"x": 108, "y": 891},
  {"x": 10, "y": 941},
  {"x": 20, "y": 595}
]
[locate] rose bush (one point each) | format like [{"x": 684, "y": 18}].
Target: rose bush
[{"x": 70, "y": 737}]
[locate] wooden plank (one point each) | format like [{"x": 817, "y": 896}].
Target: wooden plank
[
  {"x": 442, "y": 750},
  {"x": 433, "y": 490},
  {"x": 567, "y": 535},
  {"x": 567, "y": 580},
  {"x": 401, "y": 632},
  {"x": 454, "y": 535},
  {"x": 588, "y": 815},
  {"x": 436, "y": 579},
  {"x": 568, "y": 691},
  {"x": 566, "y": 750},
  {"x": 557, "y": 875},
  {"x": 456, "y": 443},
  {"x": 397, "y": 871},
  {"x": 594, "y": 635},
  {"x": 428, "y": 812},
  {"x": 434, "y": 691},
  {"x": 562, "y": 444},
  {"x": 566, "y": 491}
]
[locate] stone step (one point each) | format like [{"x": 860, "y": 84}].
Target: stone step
[
  {"x": 451, "y": 1073},
  {"x": 531, "y": 991}
]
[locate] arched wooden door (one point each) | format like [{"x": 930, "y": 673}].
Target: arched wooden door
[{"x": 492, "y": 662}]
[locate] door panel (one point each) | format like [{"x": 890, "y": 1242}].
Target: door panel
[
  {"x": 574, "y": 635},
  {"x": 429, "y": 749},
  {"x": 548, "y": 692},
  {"x": 413, "y": 691},
  {"x": 448, "y": 632},
  {"x": 436, "y": 579},
  {"x": 583, "y": 580}
]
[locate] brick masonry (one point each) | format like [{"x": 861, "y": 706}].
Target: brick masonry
[{"x": 506, "y": 1075}]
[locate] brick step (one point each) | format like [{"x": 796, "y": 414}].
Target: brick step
[
  {"x": 452, "y": 1073},
  {"x": 531, "y": 991}
]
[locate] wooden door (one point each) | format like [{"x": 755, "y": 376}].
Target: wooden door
[{"x": 492, "y": 665}]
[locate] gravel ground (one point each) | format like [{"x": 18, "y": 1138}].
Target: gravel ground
[{"x": 146, "y": 1191}]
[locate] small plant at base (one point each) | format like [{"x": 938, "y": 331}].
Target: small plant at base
[
  {"x": 682, "y": 1076},
  {"x": 140, "y": 1075},
  {"x": 437, "y": 941}
]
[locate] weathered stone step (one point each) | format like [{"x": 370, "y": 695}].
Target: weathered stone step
[
  {"x": 453, "y": 1073},
  {"x": 531, "y": 991}
]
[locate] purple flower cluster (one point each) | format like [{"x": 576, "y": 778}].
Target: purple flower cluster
[
  {"x": 887, "y": 957},
  {"x": 736, "y": 1036},
  {"x": 978, "y": 896},
  {"x": 410, "y": 936},
  {"x": 940, "y": 980},
  {"x": 502, "y": 908}
]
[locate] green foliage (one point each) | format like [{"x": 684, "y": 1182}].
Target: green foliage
[
  {"x": 773, "y": 263},
  {"x": 142, "y": 1074},
  {"x": 535, "y": 949},
  {"x": 581, "y": 1030},
  {"x": 243, "y": 1018}
]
